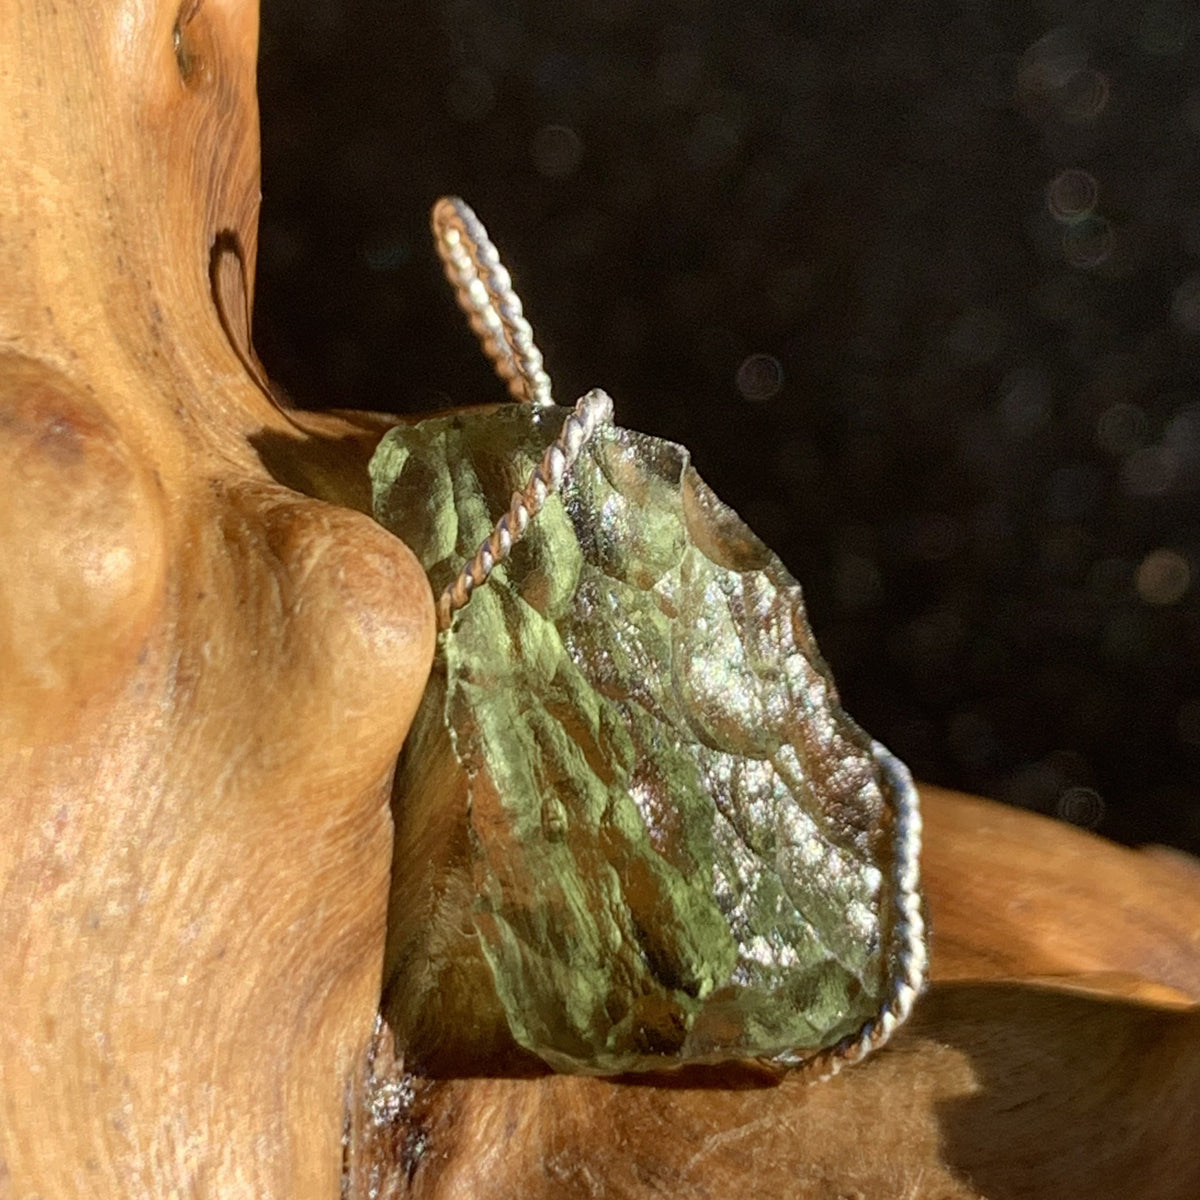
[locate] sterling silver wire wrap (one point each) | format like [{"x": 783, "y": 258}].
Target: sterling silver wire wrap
[
  {"x": 484, "y": 291},
  {"x": 591, "y": 411},
  {"x": 908, "y": 948}
]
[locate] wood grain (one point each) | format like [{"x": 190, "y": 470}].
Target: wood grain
[
  {"x": 205, "y": 675},
  {"x": 1057, "y": 1053},
  {"x": 1016, "y": 896}
]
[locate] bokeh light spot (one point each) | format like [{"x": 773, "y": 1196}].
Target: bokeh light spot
[
  {"x": 1088, "y": 242},
  {"x": 760, "y": 377},
  {"x": 1150, "y": 471},
  {"x": 1082, "y": 806},
  {"x": 1183, "y": 432},
  {"x": 1163, "y": 577},
  {"x": 1085, "y": 95},
  {"x": 1071, "y": 195}
]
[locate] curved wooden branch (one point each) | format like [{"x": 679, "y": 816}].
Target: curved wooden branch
[
  {"x": 206, "y": 675},
  {"x": 1019, "y": 897},
  {"x": 1056, "y": 1054}
]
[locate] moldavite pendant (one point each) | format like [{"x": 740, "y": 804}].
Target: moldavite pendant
[{"x": 635, "y": 828}]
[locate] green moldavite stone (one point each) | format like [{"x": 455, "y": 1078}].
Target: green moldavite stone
[{"x": 634, "y": 826}]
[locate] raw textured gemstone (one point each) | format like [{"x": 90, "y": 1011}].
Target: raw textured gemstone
[{"x": 634, "y": 826}]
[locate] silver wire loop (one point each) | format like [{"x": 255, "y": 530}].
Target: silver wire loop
[{"x": 485, "y": 293}]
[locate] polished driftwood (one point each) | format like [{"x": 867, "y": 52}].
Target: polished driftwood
[
  {"x": 209, "y": 660},
  {"x": 1057, "y": 1053},
  {"x": 205, "y": 676}
]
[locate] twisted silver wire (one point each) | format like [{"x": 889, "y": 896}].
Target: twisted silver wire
[
  {"x": 908, "y": 945},
  {"x": 484, "y": 291},
  {"x": 483, "y": 288},
  {"x": 591, "y": 411}
]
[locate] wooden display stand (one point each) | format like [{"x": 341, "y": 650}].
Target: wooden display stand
[{"x": 208, "y": 660}]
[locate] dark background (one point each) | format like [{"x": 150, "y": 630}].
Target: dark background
[{"x": 917, "y": 283}]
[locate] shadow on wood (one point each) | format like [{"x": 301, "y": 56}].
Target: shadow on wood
[{"x": 1057, "y": 1053}]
